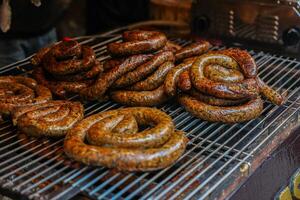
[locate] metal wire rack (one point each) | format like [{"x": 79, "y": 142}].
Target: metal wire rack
[{"x": 217, "y": 156}]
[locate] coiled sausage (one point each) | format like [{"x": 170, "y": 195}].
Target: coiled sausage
[
  {"x": 51, "y": 119},
  {"x": 151, "y": 149}
]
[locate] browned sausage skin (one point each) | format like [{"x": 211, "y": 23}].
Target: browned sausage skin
[
  {"x": 246, "y": 89},
  {"x": 140, "y": 98},
  {"x": 18, "y": 91},
  {"x": 162, "y": 146},
  {"x": 69, "y": 66},
  {"x": 269, "y": 93},
  {"x": 155, "y": 80},
  {"x": 144, "y": 70},
  {"x": 60, "y": 88},
  {"x": 52, "y": 119},
  {"x": 194, "y": 49},
  {"x": 230, "y": 114},
  {"x": 170, "y": 84},
  {"x": 105, "y": 80},
  {"x": 137, "y": 42}
]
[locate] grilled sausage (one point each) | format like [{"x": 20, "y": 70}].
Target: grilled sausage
[
  {"x": 214, "y": 101},
  {"x": 221, "y": 74},
  {"x": 170, "y": 84},
  {"x": 171, "y": 46},
  {"x": 17, "y": 91},
  {"x": 245, "y": 61},
  {"x": 108, "y": 64},
  {"x": 194, "y": 49},
  {"x": 137, "y": 42},
  {"x": 161, "y": 146},
  {"x": 51, "y": 119},
  {"x": 246, "y": 89},
  {"x": 184, "y": 81},
  {"x": 69, "y": 66},
  {"x": 140, "y": 98},
  {"x": 60, "y": 88},
  {"x": 81, "y": 76},
  {"x": 269, "y": 93},
  {"x": 144, "y": 70},
  {"x": 38, "y": 57},
  {"x": 155, "y": 80},
  {"x": 106, "y": 79},
  {"x": 231, "y": 114}
]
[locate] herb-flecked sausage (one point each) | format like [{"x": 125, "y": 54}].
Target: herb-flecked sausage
[
  {"x": 51, "y": 119},
  {"x": 140, "y": 98},
  {"x": 137, "y": 42},
  {"x": 144, "y": 70},
  {"x": 194, "y": 49},
  {"x": 106, "y": 79},
  {"x": 170, "y": 84},
  {"x": 214, "y": 101},
  {"x": 60, "y": 88},
  {"x": 154, "y": 80},
  {"x": 246, "y": 89},
  {"x": 18, "y": 91},
  {"x": 162, "y": 146},
  {"x": 230, "y": 114},
  {"x": 269, "y": 93}
]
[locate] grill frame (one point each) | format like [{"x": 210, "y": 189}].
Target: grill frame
[{"x": 211, "y": 151}]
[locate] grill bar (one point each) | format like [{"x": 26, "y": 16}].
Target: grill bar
[{"x": 214, "y": 148}]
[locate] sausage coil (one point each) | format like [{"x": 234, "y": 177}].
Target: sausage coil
[
  {"x": 115, "y": 141},
  {"x": 137, "y": 42},
  {"x": 19, "y": 91},
  {"x": 51, "y": 119}
]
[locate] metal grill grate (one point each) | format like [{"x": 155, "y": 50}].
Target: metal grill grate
[{"x": 216, "y": 157}]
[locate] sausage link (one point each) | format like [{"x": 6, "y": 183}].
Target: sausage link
[
  {"x": 106, "y": 79},
  {"x": 81, "y": 76},
  {"x": 214, "y": 101},
  {"x": 269, "y": 93},
  {"x": 161, "y": 145},
  {"x": 137, "y": 42},
  {"x": 170, "y": 84},
  {"x": 231, "y": 114},
  {"x": 60, "y": 88},
  {"x": 20, "y": 91},
  {"x": 184, "y": 81},
  {"x": 108, "y": 64},
  {"x": 52, "y": 119},
  {"x": 38, "y": 57},
  {"x": 245, "y": 89},
  {"x": 70, "y": 66},
  {"x": 221, "y": 74},
  {"x": 245, "y": 60},
  {"x": 171, "y": 46},
  {"x": 140, "y": 98},
  {"x": 144, "y": 70},
  {"x": 194, "y": 49},
  {"x": 155, "y": 80}
]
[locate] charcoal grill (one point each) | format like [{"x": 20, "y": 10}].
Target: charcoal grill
[{"x": 219, "y": 157}]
